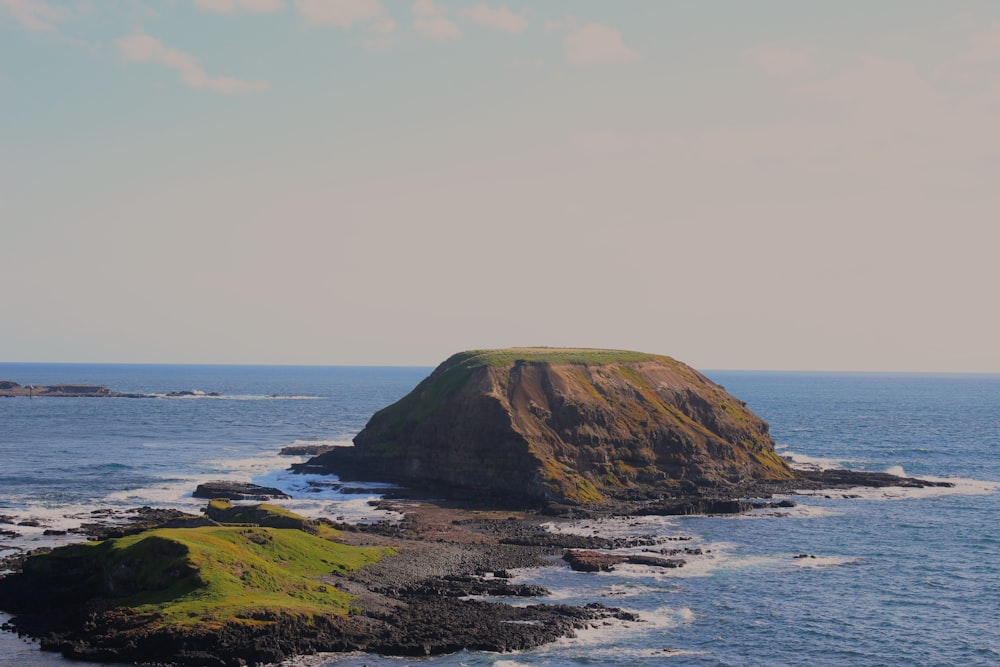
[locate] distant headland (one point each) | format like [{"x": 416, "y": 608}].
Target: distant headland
[{"x": 11, "y": 389}]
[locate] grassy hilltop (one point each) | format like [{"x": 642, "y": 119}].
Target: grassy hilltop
[{"x": 265, "y": 563}]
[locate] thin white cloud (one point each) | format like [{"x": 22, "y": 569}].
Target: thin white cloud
[
  {"x": 428, "y": 8},
  {"x": 431, "y": 20},
  {"x": 341, "y": 13},
  {"x": 34, "y": 15},
  {"x": 777, "y": 60},
  {"x": 345, "y": 14},
  {"x": 143, "y": 48},
  {"x": 562, "y": 25},
  {"x": 381, "y": 33},
  {"x": 437, "y": 27},
  {"x": 233, "y": 6},
  {"x": 499, "y": 19},
  {"x": 596, "y": 44},
  {"x": 985, "y": 46}
]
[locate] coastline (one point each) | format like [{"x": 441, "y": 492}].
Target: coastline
[
  {"x": 447, "y": 588},
  {"x": 418, "y": 602},
  {"x": 752, "y": 553}
]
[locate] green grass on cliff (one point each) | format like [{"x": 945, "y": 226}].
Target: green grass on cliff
[
  {"x": 452, "y": 375},
  {"x": 550, "y": 355},
  {"x": 207, "y": 576}
]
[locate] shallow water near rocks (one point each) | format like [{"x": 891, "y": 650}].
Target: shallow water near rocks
[{"x": 890, "y": 576}]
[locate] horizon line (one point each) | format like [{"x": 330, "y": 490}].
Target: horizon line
[{"x": 417, "y": 365}]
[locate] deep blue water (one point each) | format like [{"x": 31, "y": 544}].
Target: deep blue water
[{"x": 896, "y": 578}]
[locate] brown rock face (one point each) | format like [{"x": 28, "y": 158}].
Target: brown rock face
[{"x": 567, "y": 426}]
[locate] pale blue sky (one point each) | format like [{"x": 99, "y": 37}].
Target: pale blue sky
[{"x": 766, "y": 185}]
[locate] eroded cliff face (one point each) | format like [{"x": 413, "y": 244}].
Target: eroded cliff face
[{"x": 568, "y": 426}]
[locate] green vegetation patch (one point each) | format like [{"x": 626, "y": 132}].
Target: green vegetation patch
[
  {"x": 551, "y": 355},
  {"x": 212, "y": 575},
  {"x": 448, "y": 378}
]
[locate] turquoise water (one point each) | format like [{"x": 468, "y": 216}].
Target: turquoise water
[{"x": 893, "y": 577}]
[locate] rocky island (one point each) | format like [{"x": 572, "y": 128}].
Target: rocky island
[
  {"x": 562, "y": 427},
  {"x": 577, "y": 430}
]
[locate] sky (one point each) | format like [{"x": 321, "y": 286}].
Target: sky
[{"x": 778, "y": 184}]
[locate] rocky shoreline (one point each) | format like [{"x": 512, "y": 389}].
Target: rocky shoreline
[
  {"x": 415, "y": 603},
  {"x": 420, "y": 601}
]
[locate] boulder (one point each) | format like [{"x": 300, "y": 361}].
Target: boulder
[
  {"x": 592, "y": 561},
  {"x": 237, "y": 491}
]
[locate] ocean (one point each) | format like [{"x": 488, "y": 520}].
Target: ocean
[{"x": 864, "y": 577}]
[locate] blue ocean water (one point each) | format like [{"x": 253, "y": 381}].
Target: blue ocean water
[{"x": 892, "y": 577}]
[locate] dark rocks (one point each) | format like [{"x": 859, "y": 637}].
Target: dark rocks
[
  {"x": 596, "y": 561},
  {"x": 840, "y": 479},
  {"x": 428, "y": 626},
  {"x": 465, "y": 586},
  {"x": 656, "y": 561},
  {"x": 570, "y": 541},
  {"x": 692, "y": 505},
  {"x": 110, "y": 523},
  {"x": 237, "y": 491},
  {"x": 305, "y": 450},
  {"x": 592, "y": 561}
]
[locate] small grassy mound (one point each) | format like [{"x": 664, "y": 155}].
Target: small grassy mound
[{"x": 211, "y": 575}]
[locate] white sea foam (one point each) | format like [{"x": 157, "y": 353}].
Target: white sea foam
[
  {"x": 618, "y": 527},
  {"x": 800, "y": 511},
  {"x": 629, "y": 589},
  {"x": 612, "y": 638},
  {"x": 345, "y": 659},
  {"x": 806, "y": 462},
  {"x": 313, "y": 496}
]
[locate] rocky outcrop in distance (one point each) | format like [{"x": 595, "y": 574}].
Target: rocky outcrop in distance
[
  {"x": 580, "y": 427},
  {"x": 10, "y": 389}
]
